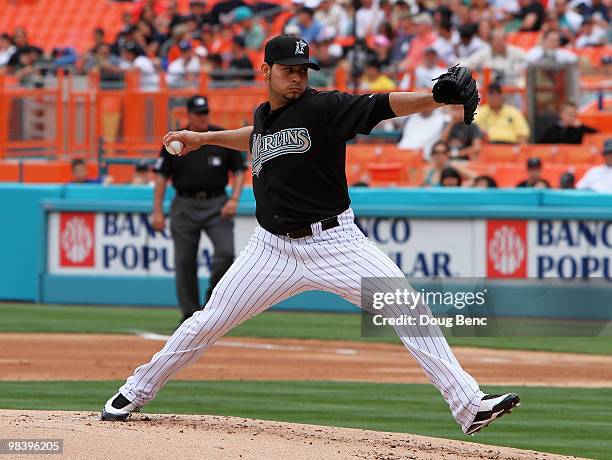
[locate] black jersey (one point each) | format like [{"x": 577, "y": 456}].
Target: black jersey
[
  {"x": 299, "y": 154},
  {"x": 206, "y": 168}
]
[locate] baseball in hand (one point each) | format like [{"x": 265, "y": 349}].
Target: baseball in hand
[{"x": 174, "y": 147}]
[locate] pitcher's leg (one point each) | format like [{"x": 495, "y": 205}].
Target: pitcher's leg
[
  {"x": 340, "y": 266},
  {"x": 265, "y": 273}
]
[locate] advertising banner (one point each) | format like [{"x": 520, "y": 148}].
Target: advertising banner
[{"x": 123, "y": 243}]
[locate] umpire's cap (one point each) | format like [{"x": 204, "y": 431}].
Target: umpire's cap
[
  {"x": 197, "y": 104},
  {"x": 286, "y": 50}
]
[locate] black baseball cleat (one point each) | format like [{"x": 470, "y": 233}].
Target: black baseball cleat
[
  {"x": 492, "y": 407},
  {"x": 118, "y": 409}
]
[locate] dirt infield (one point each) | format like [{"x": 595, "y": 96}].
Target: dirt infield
[
  {"x": 210, "y": 437},
  {"x": 113, "y": 357}
]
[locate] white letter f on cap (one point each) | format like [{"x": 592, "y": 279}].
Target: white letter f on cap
[{"x": 299, "y": 46}]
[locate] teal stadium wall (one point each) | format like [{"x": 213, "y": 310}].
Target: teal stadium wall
[{"x": 23, "y": 210}]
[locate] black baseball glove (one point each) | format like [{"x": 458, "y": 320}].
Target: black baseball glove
[{"x": 457, "y": 87}]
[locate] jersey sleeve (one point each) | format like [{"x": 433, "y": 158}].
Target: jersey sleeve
[
  {"x": 349, "y": 115},
  {"x": 163, "y": 165}
]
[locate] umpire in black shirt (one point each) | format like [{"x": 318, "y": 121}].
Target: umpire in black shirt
[{"x": 201, "y": 203}]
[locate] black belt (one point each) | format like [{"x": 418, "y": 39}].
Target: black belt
[
  {"x": 326, "y": 224},
  {"x": 200, "y": 194}
]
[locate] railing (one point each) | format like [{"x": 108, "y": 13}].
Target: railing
[
  {"x": 86, "y": 116},
  {"x": 73, "y": 115}
]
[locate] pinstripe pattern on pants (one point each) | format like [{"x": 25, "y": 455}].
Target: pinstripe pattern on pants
[{"x": 272, "y": 268}]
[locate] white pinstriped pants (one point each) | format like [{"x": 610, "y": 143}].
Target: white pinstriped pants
[{"x": 272, "y": 268}]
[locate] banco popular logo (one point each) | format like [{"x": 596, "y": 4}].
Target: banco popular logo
[
  {"x": 506, "y": 249},
  {"x": 77, "y": 239}
]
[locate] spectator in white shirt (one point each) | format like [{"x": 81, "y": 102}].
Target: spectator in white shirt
[
  {"x": 134, "y": 58},
  {"x": 506, "y": 61},
  {"x": 368, "y": 18},
  {"x": 332, "y": 17},
  {"x": 599, "y": 178},
  {"x": 550, "y": 50},
  {"x": 445, "y": 43},
  {"x": 591, "y": 34},
  {"x": 469, "y": 41},
  {"x": 428, "y": 70},
  {"x": 184, "y": 69},
  {"x": 7, "y": 49},
  {"x": 423, "y": 130}
]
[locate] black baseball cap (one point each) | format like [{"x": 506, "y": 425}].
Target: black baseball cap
[
  {"x": 534, "y": 163},
  {"x": 197, "y": 104},
  {"x": 287, "y": 50}
]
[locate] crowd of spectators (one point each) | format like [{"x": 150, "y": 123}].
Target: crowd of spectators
[
  {"x": 443, "y": 171},
  {"x": 399, "y": 44},
  {"x": 397, "y": 36}
]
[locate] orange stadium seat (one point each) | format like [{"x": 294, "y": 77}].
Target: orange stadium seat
[
  {"x": 358, "y": 156},
  {"x": 577, "y": 154},
  {"x": 508, "y": 174},
  {"x": 601, "y": 121},
  {"x": 483, "y": 169},
  {"x": 579, "y": 171},
  {"x": 9, "y": 171},
  {"x": 594, "y": 54},
  {"x": 382, "y": 174},
  {"x": 121, "y": 173},
  {"x": 525, "y": 40},
  {"x": 545, "y": 152},
  {"x": 48, "y": 25},
  {"x": 52, "y": 172},
  {"x": 411, "y": 159},
  {"x": 391, "y": 153},
  {"x": 499, "y": 153},
  {"x": 596, "y": 139},
  {"x": 552, "y": 173}
]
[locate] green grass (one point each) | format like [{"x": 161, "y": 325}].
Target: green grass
[
  {"x": 324, "y": 326},
  {"x": 562, "y": 420}
]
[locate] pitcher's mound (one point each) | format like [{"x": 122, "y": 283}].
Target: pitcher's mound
[{"x": 211, "y": 437}]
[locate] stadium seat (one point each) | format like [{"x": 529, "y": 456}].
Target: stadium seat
[
  {"x": 46, "y": 172},
  {"x": 525, "y": 40},
  {"x": 9, "y": 171},
  {"x": 358, "y": 156},
  {"x": 383, "y": 174},
  {"x": 601, "y": 121},
  {"x": 577, "y": 154},
  {"x": 553, "y": 172},
  {"x": 52, "y": 172},
  {"x": 495, "y": 153},
  {"x": 596, "y": 139},
  {"x": 483, "y": 169},
  {"x": 121, "y": 173},
  {"x": 594, "y": 54},
  {"x": 508, "y": 174},
  {"x": 579, "y": 171},
  {"x": 48, "y": 25},
  {"x": 391, "y": 153},
  {"x": 545, "y": 152}
]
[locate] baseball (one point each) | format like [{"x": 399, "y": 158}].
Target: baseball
[{"x": 174, "y": 147}]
